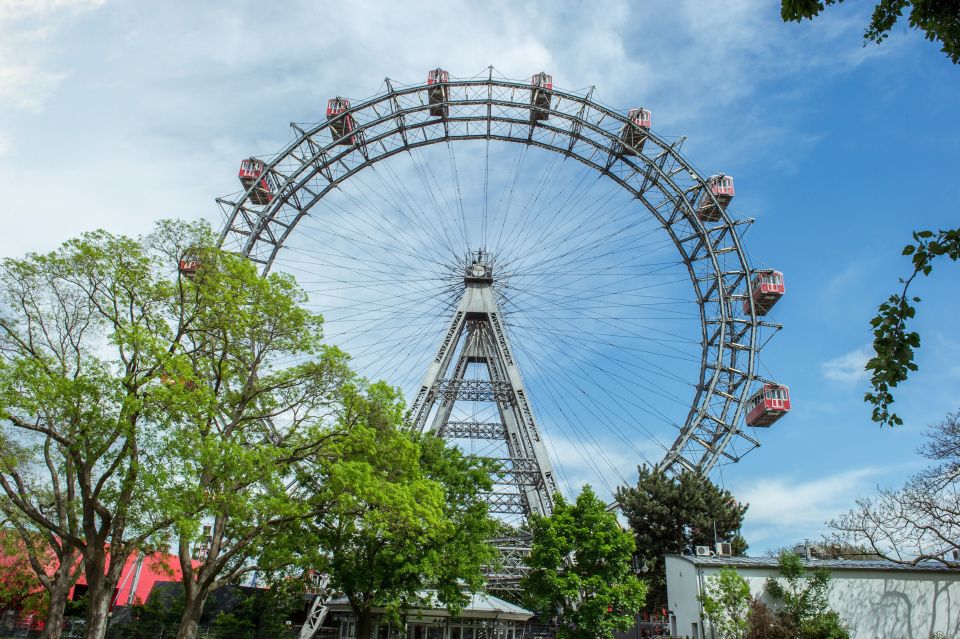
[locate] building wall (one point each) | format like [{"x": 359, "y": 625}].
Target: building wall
[{"x": 874, "y": 604}]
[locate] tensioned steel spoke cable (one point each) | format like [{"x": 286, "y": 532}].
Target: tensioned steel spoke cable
[
  {"x": 456, "y": 181},
  {"x": 417, "y": 219},
  {"x": 559, "y": 397},
  {"x": 444, "y": 210},
  {"x": 407, "y": 197},
  {"x": 580, "y": 339},
  {"x": 352, "y": 235},
  {"x": 508, "y": 193},
  {"x": 603, "y": 388},
  {"x": 431, "y": 193}
]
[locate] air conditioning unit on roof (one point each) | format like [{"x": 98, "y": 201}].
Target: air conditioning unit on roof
[
  {"x": 724, "y": 549},
  {"x": 703, "y": 551}
]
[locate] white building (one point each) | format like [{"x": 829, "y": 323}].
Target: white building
[
  {"x": 484, "y": 617},
  {"x": 875, "y": 599}
]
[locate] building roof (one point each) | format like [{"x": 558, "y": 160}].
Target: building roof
[
  {"x": 481, "y": 605},
  {"x": 830, "y": 564}
]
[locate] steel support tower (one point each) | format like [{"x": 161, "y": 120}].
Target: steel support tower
[{"x": 475, "y": 363}]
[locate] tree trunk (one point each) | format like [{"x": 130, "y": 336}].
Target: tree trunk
[
  {"x": 98, "y": 613},
  {"x": 59, "y": 589},
  {"x": 192, "y": 609},
  {"x": 364, "y": 623},
  {"x": 101, "y": 583}
]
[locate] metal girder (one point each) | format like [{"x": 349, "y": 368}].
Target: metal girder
[
  {"x": 474, "y": 430},
  {"x": 475, "y": 390}
]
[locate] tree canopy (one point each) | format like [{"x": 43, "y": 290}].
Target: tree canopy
[
  {"x": 139, "y": 404},
  {"x": 672, "y": 515},
  {"x": 406, "y": 516},
  {"x": 726, "y": 603},
  {"x": 939, "y": 20},
  {"x": 581, "y": 570}
]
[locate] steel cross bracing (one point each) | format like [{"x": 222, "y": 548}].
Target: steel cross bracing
[
  {"x": 524, "y": 481},
  {"x": 581, "y": 128}
]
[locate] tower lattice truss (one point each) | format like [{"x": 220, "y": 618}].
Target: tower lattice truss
[{"x": 476, "y": 364}]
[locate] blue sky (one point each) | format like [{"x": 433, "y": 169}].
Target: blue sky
[{"x": 115, "y": 114}]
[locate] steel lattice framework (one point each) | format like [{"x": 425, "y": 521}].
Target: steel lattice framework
[{"x": 578, "y": 127}]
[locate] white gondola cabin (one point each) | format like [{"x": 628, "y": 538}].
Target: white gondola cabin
[
  {"x": 768, "y": 288},
  {"x": 767, "y": 405},
  {"x": 634, "y": 133},
  {"x": 341, "y": 122},
  {"x": 253, "y": 173},
  {"x": 721, "y": 186},
  {"x": 541, "y": 93},
  {"x": 439, "y": 92}
]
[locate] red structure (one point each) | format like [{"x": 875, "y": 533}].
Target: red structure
[
  {"x": 252, "y": 173},
  {"x": 540, "y": 96},
  {"x": 768, "y": 404},
  {"x": 189, "y": 264},
  {"x": 140, "y": 573},
  {"x": 634, "y": 134},
  {"x": 768, "y": 288},
  {"x": 341, "y": 122},
  {"x": 438, "y": 92},
  {"x": 721, "y": 186}
]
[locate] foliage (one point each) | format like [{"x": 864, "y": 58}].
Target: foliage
[
  {"x": 764, "y": 623},
  {"x": 919, "y": 522},
  {"x": 726, "y": 601},
  {"x": 87, "y": 334},
  {"x": 672, "y": 515},
  {"x": 580, "y": 570},
  {"x": 406, "y": 512},
  {"x": 802, "y": 597},
  {"x": 247, "y": 419},
  {"x": 137, "y": 402},
  {"x": 893, "y": 344},
  {"x": 938, "y": 19},
  {"x": 20, "y": 589}
]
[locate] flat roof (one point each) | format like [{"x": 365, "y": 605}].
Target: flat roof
[{"x": 830, "y": 564}]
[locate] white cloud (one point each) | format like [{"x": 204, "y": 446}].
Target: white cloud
[
  {"x": 848, "y": 369},
  {"x": 786, "y": 509}
]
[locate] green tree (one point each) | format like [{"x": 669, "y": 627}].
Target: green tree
[
  {"x": 893, "y": 344},
  {"x": 938, "y": 19},
  {"x": 86, "y": 335},
  {"x": 802, "y": 596},
  {"x": 43, "y": 570},
  {"x": 726, "y": 603},
  {"x": 581, "y": 570},
  {"x": 672, "y": 515},
  {"x": 406, "y": 512},
  {"x": 247, "y": 419},
  {"x": 20, "y": 590}
]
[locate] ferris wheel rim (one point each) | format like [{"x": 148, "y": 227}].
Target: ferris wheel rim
[{"x": 259, "y": 226}]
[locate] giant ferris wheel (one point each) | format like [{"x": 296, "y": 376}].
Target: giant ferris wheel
[{"x": 550, "y": 281}]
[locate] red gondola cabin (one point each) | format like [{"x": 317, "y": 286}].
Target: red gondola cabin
[
  {"x": 768, "y": 404},
  {"x": 190, "y": 263},
  {"x": 438, "y": 92},
  {"x": 341, "y": 122},
  {"x": 540, "y": 96},
  {"x": 721, "y": 186},
  {"x": 768, "y": 288},
  {"x": 252, "y": 173},
  {"x": 634, "y": 134}
]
